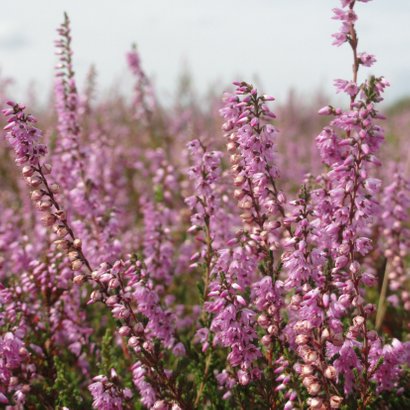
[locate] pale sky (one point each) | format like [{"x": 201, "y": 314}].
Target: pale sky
[{"x": 285, "y": 43}]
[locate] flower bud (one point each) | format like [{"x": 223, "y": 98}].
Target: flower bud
[
  {"x": 46, "y": 168},
  {"x": 231, "y": 147},
  {"x": 301, "y": 339},
  {"x": 330, "y": 372},
  {"x": 309, "y": 380},
  {"x": 327, "y": 110},
  {"x": 61, "y": 215},
  {"x": 239, "y": 180},
  {"x": 263, "y": 320},
  {"x": 73, "y": 255},
  {"x": 238, "y": 194},
  {"x": 358, "y": 321},
  {"x": 314, "y": 389},
  {"x": 34, "y": 181},
  {"x": 124, "y": 331},
  {"x": 95, "y": 296},
  {"x": 311, "y": 356},
  {"x": 336, "y": 402},
  {"x": 44, "y": 205},
  {"x": 23, "y": 352},
  {"x": 48, "y": 219},
  {"x": 13, "y": 381},
  {"x": 27, "y": 171},
  {"x": 76, "y": 265},
  {"x": 113, "y": 283},
  {"x": 266, "y": 340},
  {"x": 314, "y": 402},
  {"x": 111, "y": 300},
  {"x": 55, "y": 188},
  {"x": 307, "y": 370},
  {"x": 79, "y": 279},
  {"x": 61, "y": 231},
  {"x": 133, "y": 341},
  {"x": 105, "y": 277},
  {"x": 36, "y": 195},
  {"x": 325, "y": 334}
]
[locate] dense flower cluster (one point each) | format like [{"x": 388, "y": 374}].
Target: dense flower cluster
[{"x": 142, "y": 266}]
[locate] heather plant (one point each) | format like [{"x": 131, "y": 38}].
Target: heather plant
[{"x": 177, "y": 257}]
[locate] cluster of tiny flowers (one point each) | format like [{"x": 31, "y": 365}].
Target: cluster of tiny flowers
[
  {"x": 251, "y": 143},
  {"x": 396, "y": 238},
  {"x": 67, "y": 108},
  {"x": 107, "y": 394},
  {"x": 145, "y": 103}
]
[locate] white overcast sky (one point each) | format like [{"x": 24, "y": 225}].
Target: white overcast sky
[{"x": 285, "y": 43}]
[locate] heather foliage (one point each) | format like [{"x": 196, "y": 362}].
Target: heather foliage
[{"x": 184, "y": 258}]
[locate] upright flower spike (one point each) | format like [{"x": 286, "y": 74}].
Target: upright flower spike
[
  {"x": 67, "y": 105},
  {"x": 206, "y": 209},
  {"x": 145, "y": 102},
  {"x": 344, "y": 208},
  {"x": 158, "y": 250},
  {"x": 108, "y": 394},
  {"x": 24, "y": 139},
  {"x": 251, "y": 143},
  {"x": 395, "y": 243},
  {"x": 78, "y": 166}
]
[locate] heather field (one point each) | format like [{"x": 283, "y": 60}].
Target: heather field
[{"x": 228, "y": 252}]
